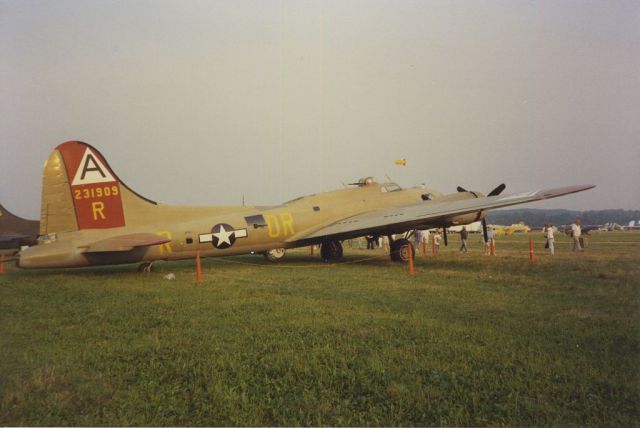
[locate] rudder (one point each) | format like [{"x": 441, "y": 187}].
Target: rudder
[{"x": 80, "y": 191}]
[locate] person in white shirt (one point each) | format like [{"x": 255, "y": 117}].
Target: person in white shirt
[
  {"x": 425, "y": 241},
  {"x": 548, "y": 233},
  {"x": 436, "y": 242},
  {"x": 575, "y": 234}
]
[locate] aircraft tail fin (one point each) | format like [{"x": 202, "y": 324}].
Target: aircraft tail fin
[
  {"x": 81, "y": 191},
  {"x": 11, "y": 223}
]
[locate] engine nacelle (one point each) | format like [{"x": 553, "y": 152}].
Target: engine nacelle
[{"x": 464, "y": 218}]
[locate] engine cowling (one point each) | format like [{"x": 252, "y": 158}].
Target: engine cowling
[{"x": 464, "y": 218}]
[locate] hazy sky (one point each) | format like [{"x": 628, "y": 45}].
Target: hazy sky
[{"x": 201, "y": 102}]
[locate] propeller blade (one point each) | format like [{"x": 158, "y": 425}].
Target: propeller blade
[
  {"x": 461, "y": 189},
  {"x": 484, "y": 231},
  {"x": 497, "y": 190},
  {"x": 444, "y": 234}
]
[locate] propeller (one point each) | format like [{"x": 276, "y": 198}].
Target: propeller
[
  {"x": 497, "y": 190},
  {"x": 494, "y": 192},
  {"x": 484, "y": 231}
]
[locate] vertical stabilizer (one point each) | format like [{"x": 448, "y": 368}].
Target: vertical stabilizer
[
  {"x": 56, "y": 206},
  {"x": 80, "y": 191}
]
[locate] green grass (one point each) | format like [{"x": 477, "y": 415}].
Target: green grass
[{"x": 468, "y": 340}]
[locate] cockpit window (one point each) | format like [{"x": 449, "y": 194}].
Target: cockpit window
[{"x": 390, "y": 187}]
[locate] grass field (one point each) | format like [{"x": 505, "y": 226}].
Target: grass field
[{"x": 467, "y": 340}]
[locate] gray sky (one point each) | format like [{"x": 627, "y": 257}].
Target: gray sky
[{"x": 200, "y": 102}]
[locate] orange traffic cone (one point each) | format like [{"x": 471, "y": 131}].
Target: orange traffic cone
[
  {"x": 531, "y": 256},
  {"x": 411, "y": 271}
]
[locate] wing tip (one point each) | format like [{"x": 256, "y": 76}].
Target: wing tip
[{"x": 561, "y": 191}]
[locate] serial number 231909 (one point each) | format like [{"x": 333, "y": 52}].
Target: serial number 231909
[{"x": 96, "y": 192}]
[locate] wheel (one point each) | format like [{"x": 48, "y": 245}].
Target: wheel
[
  {"x": 331, "y": 251},
  {"x": 145, "y": 267},
  {"x": 401, "y": 249},
  {"x": 275, "y": 255}
]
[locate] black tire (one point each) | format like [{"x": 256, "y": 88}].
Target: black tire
[
  {"x": 400, "y": 250},
  {"x": 331, "y": 251}
]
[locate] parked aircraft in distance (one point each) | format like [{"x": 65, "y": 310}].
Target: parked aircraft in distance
[
  {"x": 16, "y": 232},
  {"x": 90, "y": 217},
  {"x": 475, "y": 227},
  {"x": 508, "y": 230},
  {"x": 633, "y": 225},
  {"x": 586, "y": 229}
]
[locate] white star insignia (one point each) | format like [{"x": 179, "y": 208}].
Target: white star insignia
[{"x": 223, "y": 236}]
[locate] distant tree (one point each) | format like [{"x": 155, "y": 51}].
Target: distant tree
[{"x": 537, "y": 218}]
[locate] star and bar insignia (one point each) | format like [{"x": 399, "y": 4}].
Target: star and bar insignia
[{"x": 222, "y": 235}]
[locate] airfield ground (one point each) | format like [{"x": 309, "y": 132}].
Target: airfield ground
[{"x": 468, "y": 340}]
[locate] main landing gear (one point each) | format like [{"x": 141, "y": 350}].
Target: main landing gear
[
  {"x": 331, "y": 251},
  {"x": 401, "y": 249}
]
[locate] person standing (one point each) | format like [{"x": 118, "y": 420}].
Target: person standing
[
  {"x": 436, "y": 242},
  {"x": 464, "y": 234},
  {"x": 544, "y": 233},
  {"x": 576, "y": 231},
  {"x": 548, "y": 234},
  {"x": 417, "y": 236},
  {"x": 385, "y": 242},
  {"x": 425, "y": 241},
  {"x": 489, "y": 245},
  {"x": 370, "y": 242}
]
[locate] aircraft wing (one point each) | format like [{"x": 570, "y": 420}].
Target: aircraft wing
[
  {"x": 125, "y": 243},
  {"x": 422, "y": 215}
]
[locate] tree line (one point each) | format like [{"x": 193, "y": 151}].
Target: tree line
[{"x": 540, "y": 217}]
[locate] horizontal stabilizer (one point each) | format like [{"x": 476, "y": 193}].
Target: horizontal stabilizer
[
  {"x": 125, "y": 243},
  {"x": 6, "y": 237}
]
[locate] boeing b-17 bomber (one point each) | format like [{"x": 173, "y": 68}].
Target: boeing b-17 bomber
[{"x": 90, "y": 217}]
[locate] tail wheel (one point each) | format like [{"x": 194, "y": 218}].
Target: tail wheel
[
  {"x": 145, "y": 267},
  {"x": 401, "y": 250},
  {"x": 275, "y": 255},
  {"x": 331, "y": 251}
]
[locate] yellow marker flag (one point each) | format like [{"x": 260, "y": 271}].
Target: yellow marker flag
[{"x": 401, "y": 162}]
